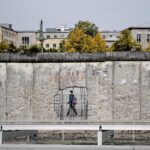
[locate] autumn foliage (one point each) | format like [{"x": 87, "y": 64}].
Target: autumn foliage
[{"x": 84, "y": 38}]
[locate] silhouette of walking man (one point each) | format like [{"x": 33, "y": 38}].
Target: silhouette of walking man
[{"x": 72, "y": 102}]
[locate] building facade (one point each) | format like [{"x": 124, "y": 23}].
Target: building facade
[
  {"x": 110, "y": 37},
  {"x": 141, "y": 34},
  {"x": 7, "y": 34},
  {"x": 50, "y": 43},
  {"x": 26, "y": 38},
  {"x": 52, "y": 36}
]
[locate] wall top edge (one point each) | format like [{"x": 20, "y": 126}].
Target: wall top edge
[{"x": 74, "y": 57}]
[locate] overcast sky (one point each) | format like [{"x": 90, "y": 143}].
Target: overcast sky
[{"x": 106, "y": 14}]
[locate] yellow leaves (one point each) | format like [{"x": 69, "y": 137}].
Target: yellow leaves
[
  {"x": 71, "y": 50},
  {"x": 78, "y": 41},
  {"x": 99, "y": 44},
  {"x": 3, "y": 46},
  {"x": 148, "y": 48}
]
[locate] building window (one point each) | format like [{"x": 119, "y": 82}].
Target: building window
[
  {"x": 47, "y": 45},
  {"x": 25, "y": 40},
  {"x": 148, "y": 37},
  {"x": 48, "y": 37},
  {"x": 138, "y": 37},
  {"x": 54, "y": 45},
  {"x": 55, "y": 36}
]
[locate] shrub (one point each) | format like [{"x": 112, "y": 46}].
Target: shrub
[{"x": 3, "y": 47}]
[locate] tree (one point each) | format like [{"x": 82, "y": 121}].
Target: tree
[
  {"x": 148, "y": 48},
  {"x": 126, "y": 43},
  {"x": 84, "y": 38},
  {"x": 29, "y": 50},
  {"x": 12, "y": 48},
  {"x": 51, "y": 50},
  {"x": 3, "y": 47},
  {"x": 87, "y": 27},
  {"x": 23, "y": 49},
  {"x": 34, "y": 49}
]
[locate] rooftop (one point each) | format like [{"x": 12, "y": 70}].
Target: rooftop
[
  {"x": 141, "y": 26},
  {"x": 60, "y": 29},
  {"x": 7, "y": 26},
  {"x": 107, "y": 31},
  {"x": 27, "y": 31}
]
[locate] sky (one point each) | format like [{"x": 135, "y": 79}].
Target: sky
[{"x": 106, "y": 14}]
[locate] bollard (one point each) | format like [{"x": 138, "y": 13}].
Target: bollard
[
  {"x": 100, "y": 137},
  {"x": 1, "y": 136}
]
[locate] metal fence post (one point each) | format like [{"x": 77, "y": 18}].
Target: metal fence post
[
  {"x": 1, "y": 135},
  {"x": 100, "y": 137}
]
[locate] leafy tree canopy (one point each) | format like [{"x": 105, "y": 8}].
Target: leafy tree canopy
[
  {"x": 3, "y": 47},
  {"x": 87, "y": 27},
  {"x": 29, "y": 50},
  {"x": 126, "y": 43},
  {"x": 84, "y": 38},
  {"x": 148, "y": 48},
  {"x": 12, "y": 48}
]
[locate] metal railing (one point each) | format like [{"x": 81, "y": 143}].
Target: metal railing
[{"x": 76, "y": 127}]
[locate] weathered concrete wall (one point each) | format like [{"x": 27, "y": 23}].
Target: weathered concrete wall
[
  {"x": 106, "y": 91},
  {"x": 3, "y": 98},
  {"x": 74, "y": 57},
  {"x": 126, "y": 91}
]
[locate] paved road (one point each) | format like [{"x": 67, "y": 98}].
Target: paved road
[{"x": 70, "y": 147}]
